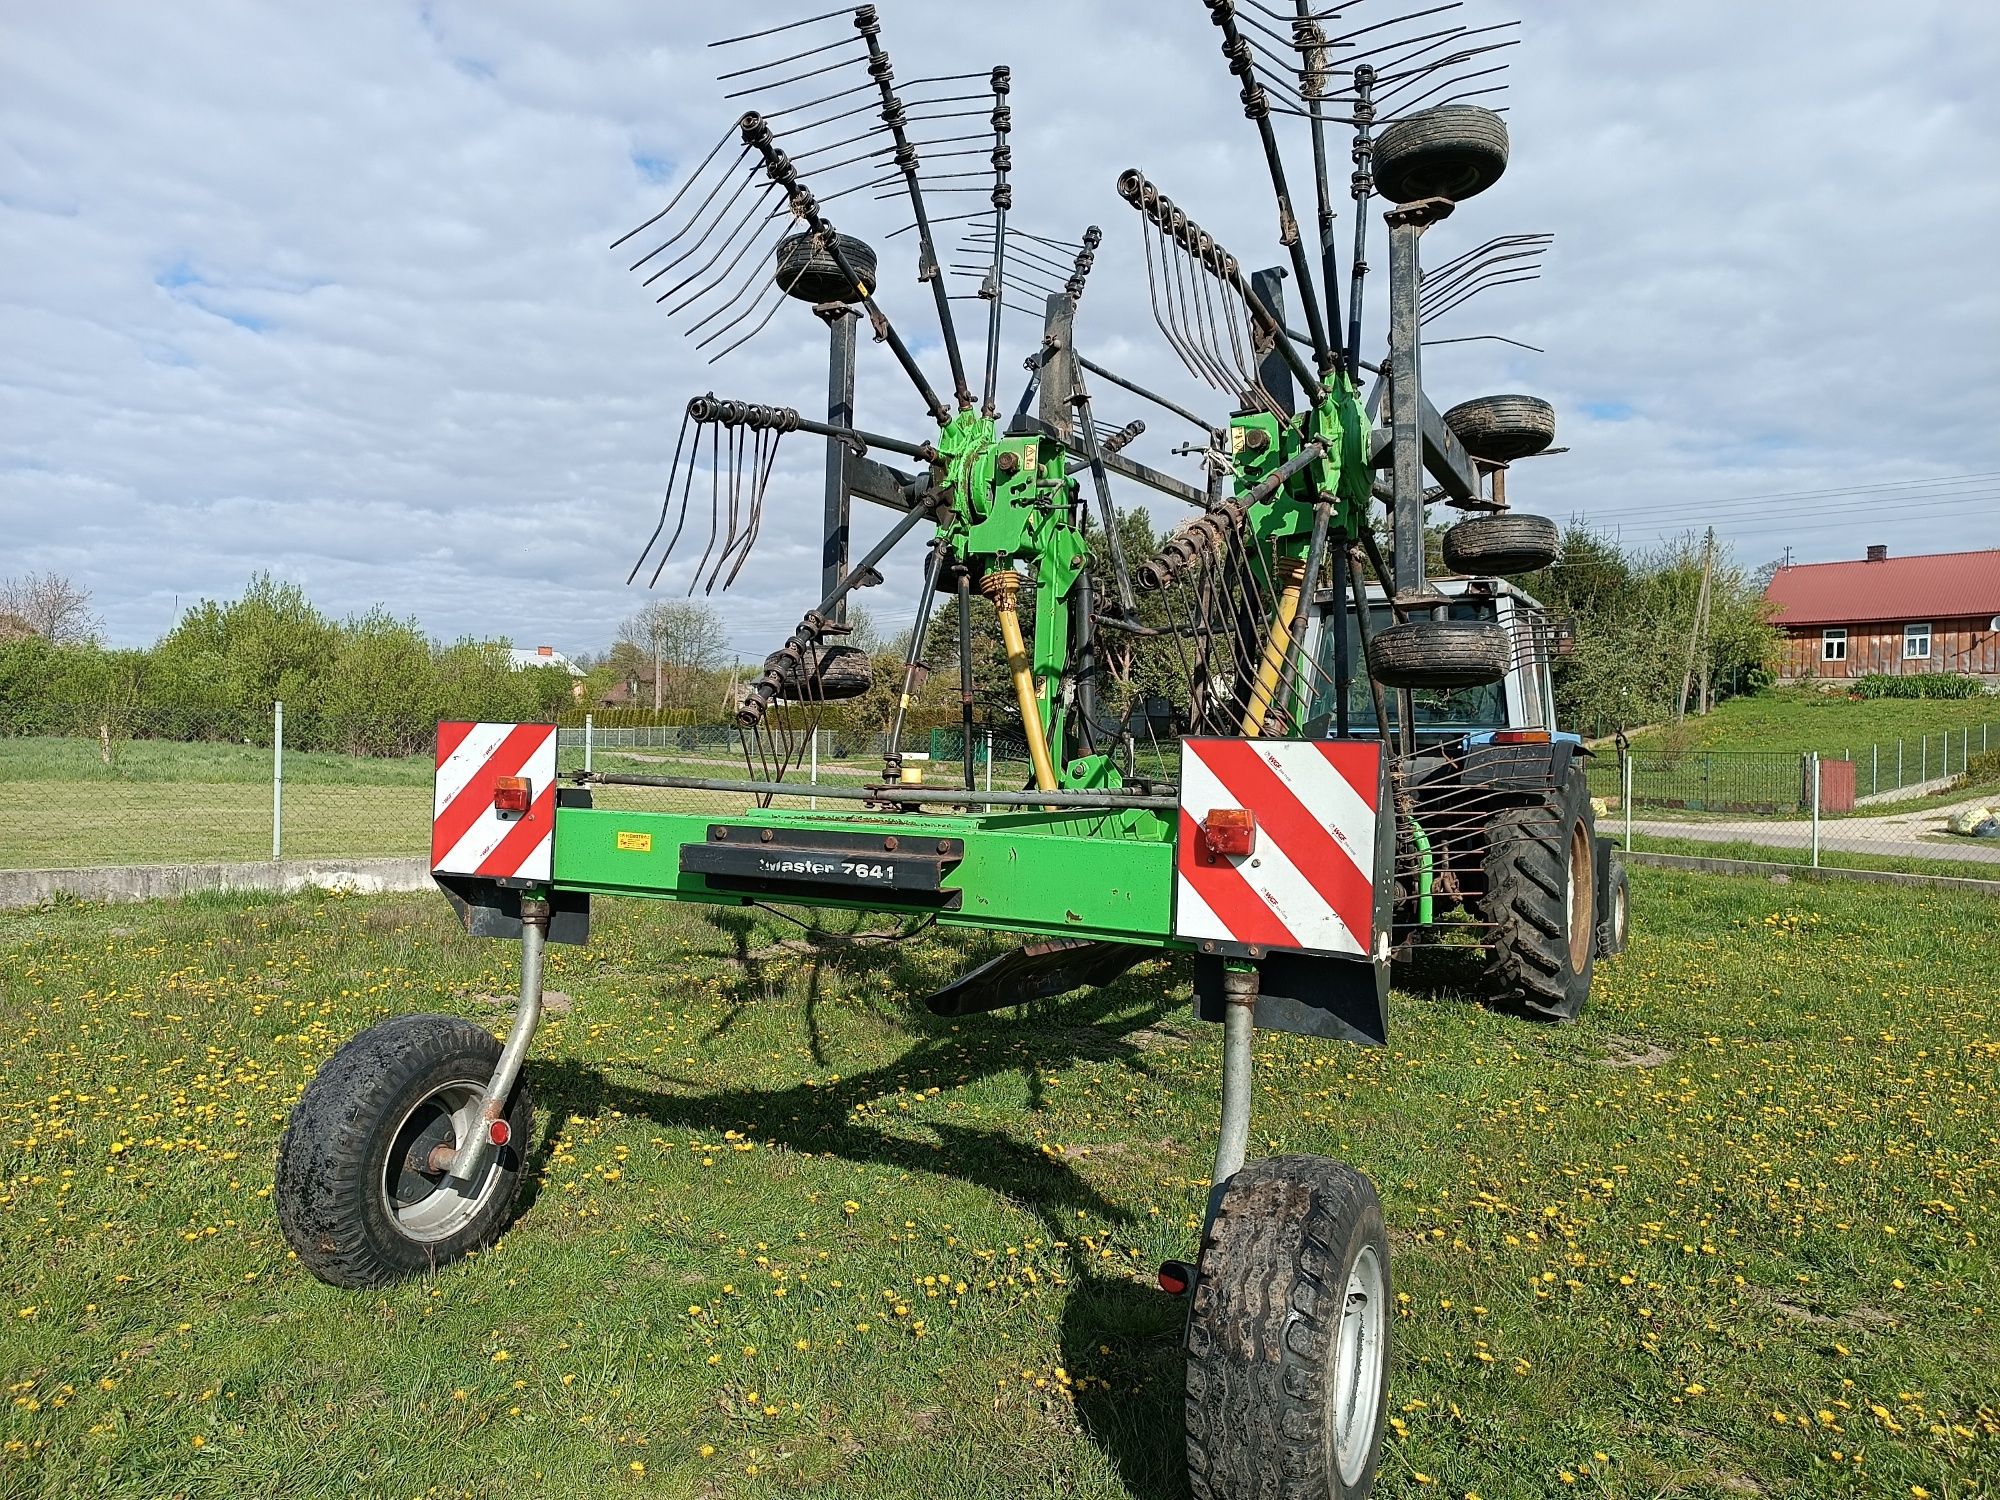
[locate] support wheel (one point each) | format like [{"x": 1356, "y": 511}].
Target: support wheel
[
  {"x": 357, "y": 1196},
  {"x": 1614, "y": 922},
  {"x": 1503, "y": 544},
  {"x": 1541, "y": 898},
  {"x": 1501, "y": 429},
  {"x": 1454, "y": 151},
  {"x": 1439, "y": 654},
  {"x": 1288, "y": 1336}
]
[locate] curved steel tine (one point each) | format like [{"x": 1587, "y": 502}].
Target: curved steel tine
[
  {"x": 734, "y": 297},
  {"x": 687, "y": 490},
  {"x": 1153, "y": 296},
  {"x": 749, "y": 180},
  {"x": 714, "y": 506},
  {"x": 750, "y": 216},
  {"x": 695, "y": 218},
  {"x": 681, "y": 191},
  {"x": 765, "y": 322},
  {"x": 666, "y": 498}
]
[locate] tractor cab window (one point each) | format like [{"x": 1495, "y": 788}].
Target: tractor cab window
[{"x": 1450, "y": 710}]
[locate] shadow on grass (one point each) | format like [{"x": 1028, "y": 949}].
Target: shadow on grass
[
  {"x": 1121, "y": 1344},
  {"x": 821, "y": 1118}
]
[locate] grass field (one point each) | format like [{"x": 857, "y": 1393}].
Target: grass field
[
  {"x": 1730, "y": 1235},
  {"x": 1801, "y": 719}
]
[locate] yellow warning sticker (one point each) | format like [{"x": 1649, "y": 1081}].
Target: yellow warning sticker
[{"x": 638, "y": 843}]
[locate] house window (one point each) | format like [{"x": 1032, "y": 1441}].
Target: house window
[
  {"x": 1833, "y": 645},
  {"x": 1917, "y": 642}
]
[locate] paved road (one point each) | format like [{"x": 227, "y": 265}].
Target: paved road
[{"x": 1911, "y": 835}]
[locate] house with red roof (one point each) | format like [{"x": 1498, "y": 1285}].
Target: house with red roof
[{"x": 1935, "y": 613}]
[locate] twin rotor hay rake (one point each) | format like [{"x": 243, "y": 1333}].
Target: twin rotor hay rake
[{"x": 1323, "y": 813}]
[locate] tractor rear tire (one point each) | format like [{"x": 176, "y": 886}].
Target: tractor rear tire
[
  {"x": 1503, "y": 544},
  {"x": 1439, "y": 654},
  {"x": 1454, "y": 151},
  {"x": 1541, "y": 898},
  {"x": 808, "y": 271},
  {"x": 355, "y": 1196},
  {"x": 1288, "y": 1336},
  {"x": 1501, "y": 429}
]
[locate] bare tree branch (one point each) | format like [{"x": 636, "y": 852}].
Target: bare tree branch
[{"x": 51, "y": 607}]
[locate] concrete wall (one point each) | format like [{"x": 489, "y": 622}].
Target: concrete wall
[{"x": 156, "y": 882}]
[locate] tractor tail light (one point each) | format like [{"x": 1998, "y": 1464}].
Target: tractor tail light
[
  {"x": 511, "y": 794},
  {"x": 1521, "y": 737},
  {"x": 1229, "y": 830},
  {"x": 499, "y": 1133}
]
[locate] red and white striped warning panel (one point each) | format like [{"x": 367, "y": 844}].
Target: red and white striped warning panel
[
  {"x": 485, "y": 821},
  {"x": 1277, "y": 844}
]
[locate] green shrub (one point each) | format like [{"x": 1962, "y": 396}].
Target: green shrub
[
  {"x": 1983, "y": 768},
  {"x": 1921, "y": 685}
]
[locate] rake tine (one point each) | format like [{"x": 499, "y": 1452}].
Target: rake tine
[
  {"x": 679, "y": 193},
  {"x": 665, "y": 498},
  {"x": 751, "y": 36},
  {"x": 749, "y": 181},
  {"x": 696, "y": 218},
  {"x": 721, "y": 276},
  {"x": 896, "y": 118},
  {"x": 687, "y": 489},
  {"x": 780, "y": 61}
]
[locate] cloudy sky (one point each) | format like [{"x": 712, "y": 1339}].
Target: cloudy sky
[{"x": 326, "y": 290}]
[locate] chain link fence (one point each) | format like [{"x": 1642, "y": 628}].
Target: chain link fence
[
  {"x": 1928, "y": 804},
  {"x": 134, "y": 788}
]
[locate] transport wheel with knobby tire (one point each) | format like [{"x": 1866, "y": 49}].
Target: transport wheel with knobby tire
[
  {"x": 1541, "y": 898},
  {"x": 1454, "y": 151},
  {"x": 808, "y": 271},
  {"x": 1613, "y": 923},
  {"x": 1501, "y": 429},
  {"x": 1288, "y": 1336},
  {"x": 1439, "y": 653},
  {"x": 1503, "y": 544},
  {"x": 358, "y": 1193}
]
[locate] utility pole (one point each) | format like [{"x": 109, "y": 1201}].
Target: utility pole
[{"x": 1700, "y": 625}]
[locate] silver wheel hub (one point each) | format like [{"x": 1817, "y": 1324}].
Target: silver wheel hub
[
  {"x": 1360, "y": 1350},
  {"x": 423, "y": 1200}
]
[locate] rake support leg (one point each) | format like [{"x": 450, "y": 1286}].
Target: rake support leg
[
  {"x": 470, "y": 1157},
  {"x": 1239, "y": 990}
]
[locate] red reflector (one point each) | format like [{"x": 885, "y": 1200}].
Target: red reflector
[
  {"x": 512, "y": 794},
  {"x": 1229, "y": 830},
  {"x": 498, "y": 1133},
  {"x": 1174, "y": 1278},
  {"x": 1521, "y": 737}
]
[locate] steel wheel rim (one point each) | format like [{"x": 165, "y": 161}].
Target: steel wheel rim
[
  {"x": 1577, "y": 896},
  {"x": 424, "y": 1206},
  {"x": 1618, "y": 915},
  {"x": 1360, "y": 1344}
]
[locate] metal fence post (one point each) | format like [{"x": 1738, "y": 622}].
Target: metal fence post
[
  {"x": 1899, "y": 763},
  {"x": 1815, "y": 809},
  {"x": 1627, "y": 800},
  {"x": 813, "y": 775},
  {"x": 989, "y": 766},
  {"x": 1923, "y": 759},
  {"x": 588, "y": 734},
  {"x": 277, "y": 779},
  {"x": 1874, "y": 769}
]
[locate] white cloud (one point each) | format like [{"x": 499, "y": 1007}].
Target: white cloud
[{"x": 327, "y": 290}]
